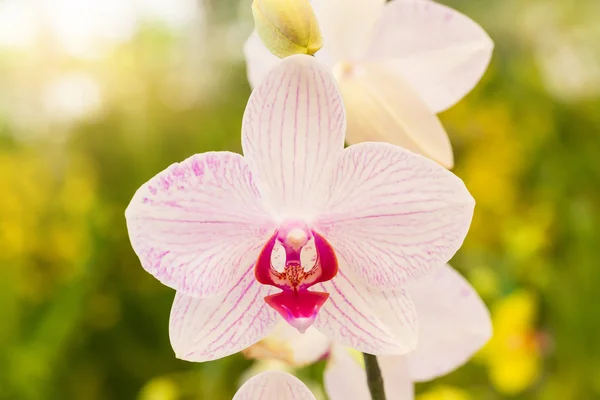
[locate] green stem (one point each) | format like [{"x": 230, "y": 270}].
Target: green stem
[{"x": 374, "y": 378}]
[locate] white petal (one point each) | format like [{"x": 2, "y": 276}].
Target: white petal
[
  {"x": 215, "y": 327},
  {"x": 259, "y": 60},
  {"x": 454, "y": 323},
  {"x": 287, "y": 344},
  {"x": 199, "y": 224},
  {"x": 293, "y": 126},
  {"x": 396, "y": 378},
  {"x": 365, "y": 319},
  {"x": 274, "y": 385},
  {"x": 345, "y": 378},
  {"x": 441, "y": 52},
  {"x": 382, "y": 107},
  {"x": 347, "y": 26},
  {"x": 394, "y": 215}
]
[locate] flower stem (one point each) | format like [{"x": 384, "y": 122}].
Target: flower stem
[{"x": 374, "y": 378}]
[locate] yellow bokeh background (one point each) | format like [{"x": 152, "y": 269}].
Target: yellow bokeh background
[{"x": 97, "y": 97}]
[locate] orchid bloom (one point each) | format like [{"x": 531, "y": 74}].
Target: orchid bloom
[
  {"x": 397, "y": 64},
  {"x": 274, "y": 385},
  {"x": 245, "y": 238},
  {"x": 454, "y": 324}
]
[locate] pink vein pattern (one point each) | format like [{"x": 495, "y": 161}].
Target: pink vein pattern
[
  {"x": 394, "y": 215},
  {"x": 199, "y": 224},
  {"x": 274, "y": 385},
  {"x": 389, "y": 215},
  {"x": 367, "y": 319},
  {"x": 215, "y": 327},
  {"x": 293, "y": 128}
]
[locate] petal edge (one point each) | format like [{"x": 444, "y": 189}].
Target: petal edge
[
  {"x": 441, "y": 52},
  {"x": 196, "y": 225},
  {"x": 294, "y": 124},
  {"x": 394, "y": 215},
  {"x": 454, "y": 323},
  {"x": 274, "y": 385},
  {"x": 212, "y": 328}
]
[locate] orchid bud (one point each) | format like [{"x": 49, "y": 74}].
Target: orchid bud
[{"x": 287, "y": 27}]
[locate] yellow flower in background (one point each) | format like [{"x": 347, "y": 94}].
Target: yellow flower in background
[
  {"x": 445, "y": 393},
  {"x": 492, "y": 165},
  {"x": 513, "y": 355},
  {"x": 159, "y": 389},
  {"x": 45, "y": 213},
  {"x": 25, "y": 194}
]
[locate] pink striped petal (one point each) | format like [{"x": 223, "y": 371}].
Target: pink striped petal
[
  {"x": 293, "y": 127},
  {"x": 346, "y": 378},
  {"x": 199, "y": 224},
  {"x": 394, "y": 215},
  {"x": 274, "y": 385},
  {"x": 347, "y": 26},
  {"x": 454, "y": 323},
  {"x": 259, "y": 60},
  {"x": 441, "y": 52},
  {"x": 366, "y": 319},
  {"x": 215, "y": 327}
]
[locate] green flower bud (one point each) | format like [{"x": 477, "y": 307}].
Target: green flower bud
[{"x": 287, "y": 27}]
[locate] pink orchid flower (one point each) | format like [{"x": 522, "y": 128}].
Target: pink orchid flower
[
  {"x": 298, "y": 227},
  {"x": 454, "y": 324},
  {"x": 274, "y": 385},
  {"x": 397, "y": 64}
]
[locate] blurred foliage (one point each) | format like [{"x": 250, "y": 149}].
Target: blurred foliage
[{"x": 82, "y": 320}]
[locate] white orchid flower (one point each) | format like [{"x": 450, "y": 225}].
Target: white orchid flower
[
  {"x": 245, "y": 239},
  {"x": 397, "y": 64}
]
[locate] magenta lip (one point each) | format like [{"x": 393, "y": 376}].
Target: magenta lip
[
  {"x": 295, "y": 303},
  {"x": 298, "y": 309}
]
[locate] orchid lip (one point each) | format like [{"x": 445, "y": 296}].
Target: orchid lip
[{"x": 295, "y": 303}]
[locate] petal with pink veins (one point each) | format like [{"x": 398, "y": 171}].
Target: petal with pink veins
[
  {"x": 199, "y": 224},
  {"x": 441, "y": 52},
  {"x": 454, "y": 323},
  {"x": 215, "y": 327},
  {"x": 347, "y": 26},
  {"x": 292, "y": 129},
  {"x": 274, "y": 385},
  {"x": 383, "y": 107},
  {"x": 394, "y": 215},
  {"x": 366, "y": 319}
]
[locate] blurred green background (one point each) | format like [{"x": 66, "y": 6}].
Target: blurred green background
[{"x": 98, "y": 96}]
